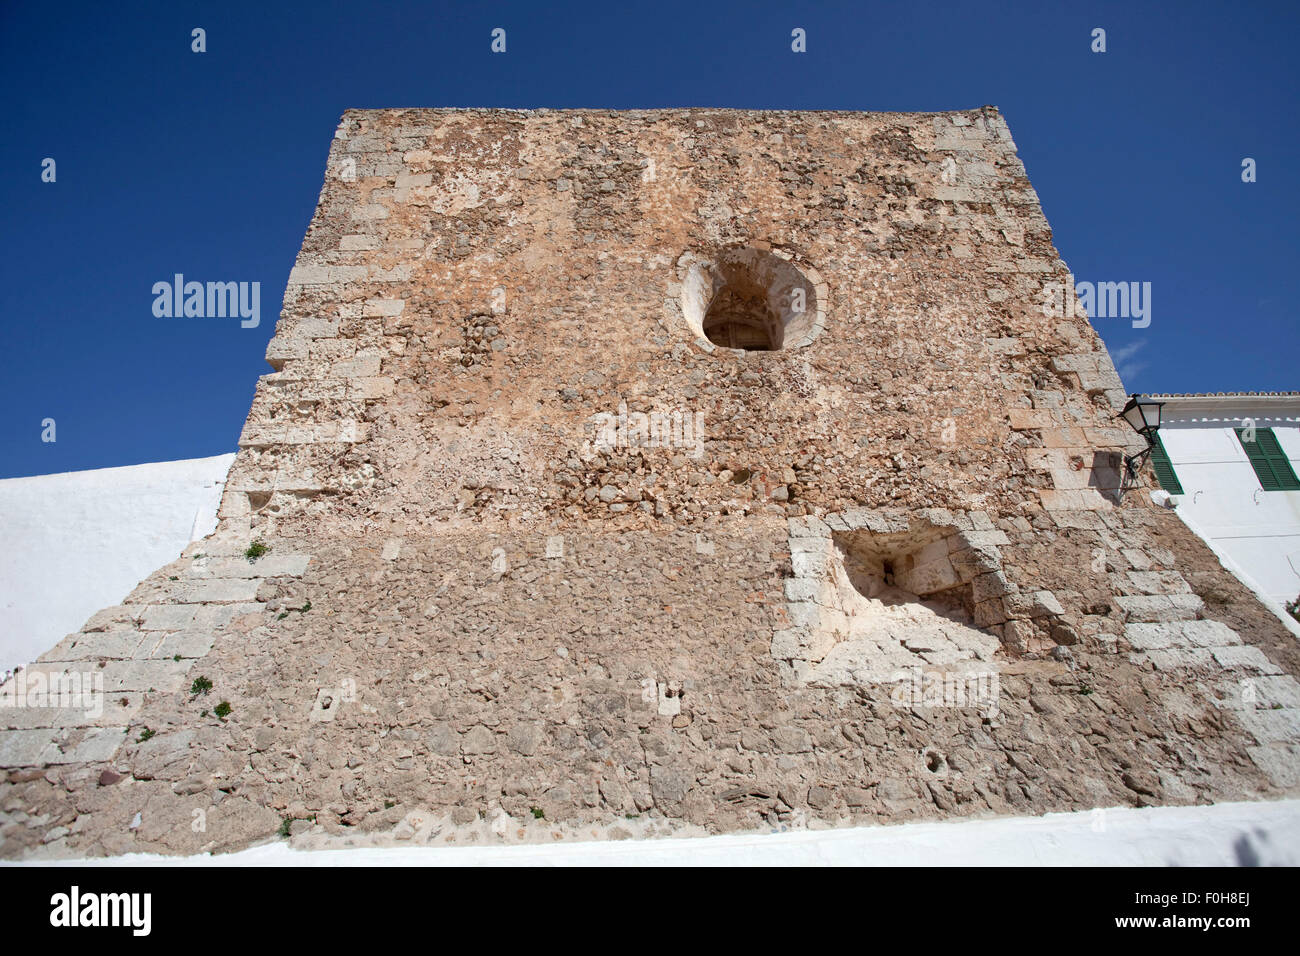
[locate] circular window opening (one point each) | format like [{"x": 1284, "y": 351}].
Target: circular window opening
[{"x": 752, "y": 300}]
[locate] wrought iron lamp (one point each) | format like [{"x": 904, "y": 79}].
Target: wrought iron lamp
[{"x": 1143, "y": 416}]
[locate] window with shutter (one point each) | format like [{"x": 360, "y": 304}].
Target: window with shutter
[
  {"x": 1164, "y": 468},
  {"x": 1269, "y": 460}
]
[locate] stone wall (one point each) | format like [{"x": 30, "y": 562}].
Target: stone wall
[
  {"x": 491, "y": 280},
  {"x": 560, "y": 565}
]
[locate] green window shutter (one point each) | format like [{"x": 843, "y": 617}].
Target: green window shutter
[
  {"x": 1269, "y": 460},
  {"x": 1164, "y": 468}
]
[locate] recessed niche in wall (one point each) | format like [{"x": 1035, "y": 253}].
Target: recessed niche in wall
[{"x": 751, "y": 300}]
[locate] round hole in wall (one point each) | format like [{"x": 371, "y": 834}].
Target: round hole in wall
[{"x": 751, "y": 300}]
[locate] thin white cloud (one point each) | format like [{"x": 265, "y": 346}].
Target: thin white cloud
[
  {"x": 1125, "y": 359},
  {"x": 1126, "y": 352}
]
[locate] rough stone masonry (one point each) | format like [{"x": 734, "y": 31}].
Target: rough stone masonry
[{"x": 682, "y": 471}]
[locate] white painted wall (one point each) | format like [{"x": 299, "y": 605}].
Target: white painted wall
[
  {"x": 1222, "y": 499},
  {"x": 80, "y": 541}
]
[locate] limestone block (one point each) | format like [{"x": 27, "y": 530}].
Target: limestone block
[
  {"x": 1037, "y": 604},
  {"x": 943, "y": 518},
  {"x": 990, "y": 586},
  {"x": 989, "y": 613},
  {"x": 803, "y": 615},
  {"x": 1277, "y": 691},
  {"x": 271, "y": 565},
  {"x": 1244, "y": 657},
  {"x": 1080, "y": 499},
  {"x": 332, "y": 350},
  {"x": 94, "y": 745},
  {"x": 1156, "y": 608},
  {"x": 363, "y": 366},
  {"x": 970, "y": 562},
  {"x": 26, "y": 748},
  {"x": 807, "y": 564},
  {"x": 145, "y": 675},
  {"x": 1023, "y": 419},
  {"x": 935, "y": 551},
  {"x": 362, "y": 389},
  {"x": 881, "y": 522},
  {"x": 325, "y": 275},
  {"x": 1011, "y": 347},
  {"x": 341, "y": 432},
  {"x": 1272, "y": 726},
  {"x": 928, "y": 578},
  {"x": 808, "y": 526},
  {"x": 282, "y": 349},
  {"x": 100, "y": 710},
  {"x": 113, "y": 618},
  {"x": 186, "y": 644},
  {"x": 1157, "y": 582},
  {"x": 1100, "y": 380},
  {"x": 313, "y": 327},
  {"x": 992, "y": 537},
  {"x": 1067, "y": 437},
  {"x": 1140, "y": 560},
  {"x": 1017, "y": 634},
  {"x": 383, "y": 307},
  {"x": 215, "y": 617},
  {"x": 167, "y": 617},
  {"x": 1150, "y": 636},
  {"x": 1279, "y": 761},
  {"x": 218, "y": 590},
  {"x": 94, "y": 646},
  {"x": 814, "y": 546},
  {"x": 1176, "y": 658},
  {"x": 789, "y": 643},
  {"x": 802, "y": 589},
  {"x": 1109, "y": 437}
]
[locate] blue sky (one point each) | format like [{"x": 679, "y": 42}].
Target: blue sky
[{"x": 210, "y": 165}]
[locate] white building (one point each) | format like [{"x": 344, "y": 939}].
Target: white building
[
  {"x": 1229, "y": 461},
  {"x": 82, "y": 540}
]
